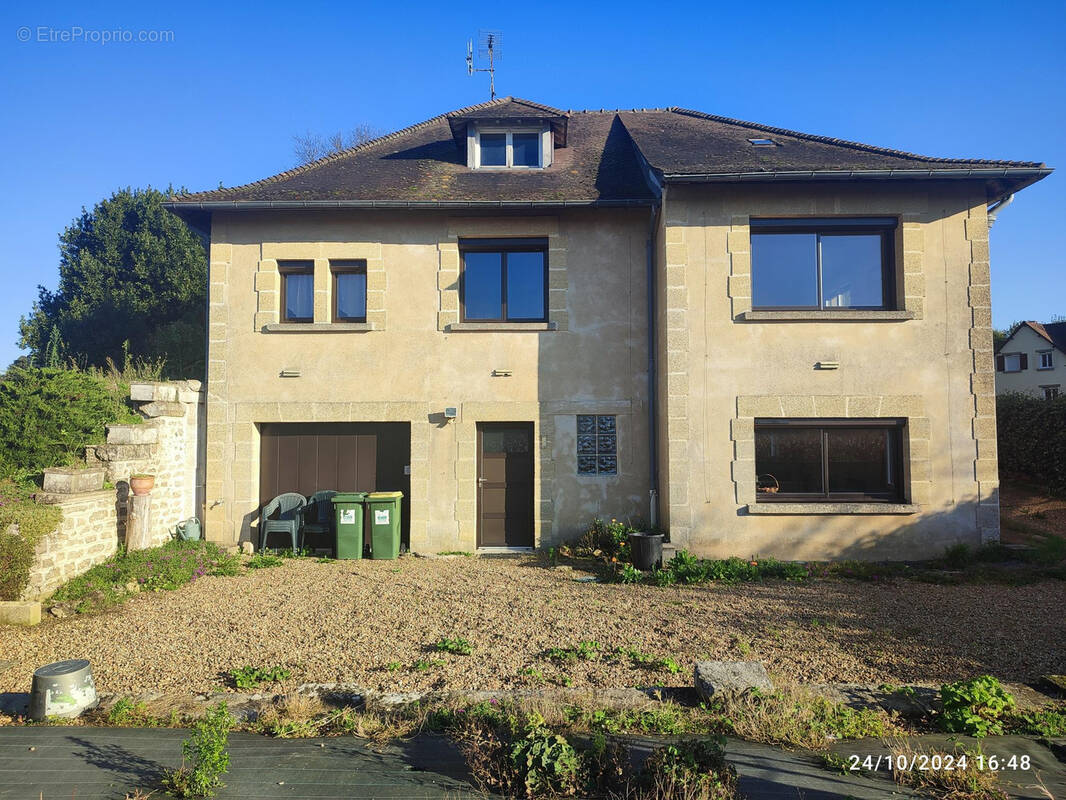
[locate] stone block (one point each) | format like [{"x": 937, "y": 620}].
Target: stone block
[
  {"x": 161, "y": 408},
  {"x": 19, "y": 612},
  {"x": 758, "y": 406},
  {"x": 65, "y": 480},
  {"x": 123, "y": 452},
  {"x": 715, "y": 677},
  {"x": 132, "y": 434}
]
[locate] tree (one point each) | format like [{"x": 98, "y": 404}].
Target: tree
[
  {"x": 129, "y": 271},
  {"x": 312, "y": 146}
]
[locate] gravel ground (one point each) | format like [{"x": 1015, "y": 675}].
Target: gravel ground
[{"x": 347, "y": 621}]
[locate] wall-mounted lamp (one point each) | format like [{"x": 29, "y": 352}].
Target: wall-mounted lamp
[
  {"x": 501, "y": 373},
  {"x": 827, "y": 365},
  {"x": 290, "y": 373},
  {"x": 451, "y": 412}
]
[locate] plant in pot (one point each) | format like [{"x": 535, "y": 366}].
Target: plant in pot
[{"x": 141, "y": 483}]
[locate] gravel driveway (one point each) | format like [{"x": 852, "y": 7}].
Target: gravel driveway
[{"x": 348, "y": 621}]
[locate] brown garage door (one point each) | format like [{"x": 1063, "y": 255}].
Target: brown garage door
[{"x": 305, "y": 458}]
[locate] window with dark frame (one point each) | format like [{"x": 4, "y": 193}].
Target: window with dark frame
[
  {"x": 297, "y": 291},
  {"x": 597, "y": 444},
  {"x": 1050, "y": 392},
  {"x": 504, "y": 280},
  {"x": 349, "y": 290},
  {"x": 829, "y": 460},
  {"x": 823, "y": 264}
]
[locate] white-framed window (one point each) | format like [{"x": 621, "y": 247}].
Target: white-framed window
[
  {"x": 1013, "y": 362},
  {"x": 510, "y": 148},
  {"x": 1045, "y": 360},
  {"x": 1050, "y": 392}
]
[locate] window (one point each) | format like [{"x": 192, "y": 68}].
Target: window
[
  {"x": 597, "y": 444},
  {"x": 828, "y": 460},
  {"x": 763, "y": 142},
  {"x": 1045, "y": 360},
  {"x": 297, "y": 291},
  {"x": 349, "y": 290},
  {"x": 1050, "y": 392},
  {"x": 1012, "y": 362},
  {"x": 504, "y": 280},
  {"x": 515, "y": 149},
  {"x": 823, "y": 263}
]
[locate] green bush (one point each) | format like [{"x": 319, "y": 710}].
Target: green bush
[
  {"x": 48, "y": 415},
  {"x": 23, "y": 523},
  {"x": 1032, "y": 439},
  {"x": 205, "y": 758},
  {"x": 975, "y": 707}
]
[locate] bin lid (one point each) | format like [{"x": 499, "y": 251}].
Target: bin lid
[
  {"x": 383, "y": 495},
  {"x": 349, "y": 497}
]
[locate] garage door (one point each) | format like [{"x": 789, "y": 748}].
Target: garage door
[{"x": 305, "y": 458}]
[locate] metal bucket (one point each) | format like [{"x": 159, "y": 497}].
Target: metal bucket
[
  {"x": 62, "y": 689},
  {"x": 188, "y": 530}
]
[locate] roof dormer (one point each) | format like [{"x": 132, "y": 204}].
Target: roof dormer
[{"x": 509, "y": 134}]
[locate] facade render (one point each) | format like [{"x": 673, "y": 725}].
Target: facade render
[
  {"x": 1032, "y": 360},
  {"x": 762, "y": 341}
]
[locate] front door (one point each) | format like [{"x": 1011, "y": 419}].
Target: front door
[{"x": 505, "y": 484}]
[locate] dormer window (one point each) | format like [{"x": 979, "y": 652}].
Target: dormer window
[{"x": 520, "y": 148}]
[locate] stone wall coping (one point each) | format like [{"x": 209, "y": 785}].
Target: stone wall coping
[
  {"x": 513, "y": 327},
  {"x": 318, "y": 327},
  {"x": 836, "y": 315},
  {"x": 884, "y": 509},
  {"x": 57, "y": 499}
]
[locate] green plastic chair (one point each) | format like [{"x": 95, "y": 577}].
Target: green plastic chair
[{"x": 289, "y": 508}]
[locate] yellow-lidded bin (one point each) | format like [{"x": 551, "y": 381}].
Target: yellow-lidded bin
[{"x": 384, "y": 512}]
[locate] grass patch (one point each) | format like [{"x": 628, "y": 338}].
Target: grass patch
[
  {"x": 164, "y": 568},
  {"x": 462, "y": 553},
  {"x": 264, "y": 561}
]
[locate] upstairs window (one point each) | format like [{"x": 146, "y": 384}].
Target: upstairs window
[
  {"x": 823, "y": 263},
  {"x": 519, "y": 149},
  {"x": 504, "y": 280},
  {"x": 349, "y": 290},
  {"x": 1012, "y": 362},
  {"x": 297, "y": 291},
  {"x": 1045, "y": 360}
]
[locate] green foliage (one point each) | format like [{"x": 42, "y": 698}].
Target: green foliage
[
  {"x": 424, "y": 664},
  {"x": 205, "y": 758},
  {"x": 457, "y": 646},
  {"x": 250, "y": 677},
  {"x": 170, "y": 566},
  {"x": 129, "y": 270},
  {"x": 585, "y": 650},
  {"x": 1031, "y": 439},
  {"x": 264, "y": 561},
  {"x": 693, "y": 768},
  {"x": 48, "y": 415},
  {"x": 647, "y": 661},
  {"x": 666, "y": 719},
  {"x": 686, "y": 568},
  {"x": 127, "y": 713},
  {"x": 545, "y": 762},
  {"x": 975, "y": 707},
  {"x": 629, "y": 574},
  {"x": 607, "y": 540},
  {"x": 23, "y": 523},
  {"x": 1049, "y": 723}
]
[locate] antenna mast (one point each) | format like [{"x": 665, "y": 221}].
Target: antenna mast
[{"x": 489, "y": 46}]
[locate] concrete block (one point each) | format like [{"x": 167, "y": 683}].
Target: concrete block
[
  {"x": 65, "y": 480},
  {"x": 168, "y": 408},
  {"x": 132, "y": 434},
  {"x": 20, "y": 612}
]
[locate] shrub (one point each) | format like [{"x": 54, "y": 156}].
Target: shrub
[
  {"x": 608, "y": 540},
  {"x": 47, "y": 415},
  {"x": 23, "y": 523},
  {"x": 975, "y": 707},
  {"x": 1031, "y": 439},
  {"x": 204, "y": 757}
]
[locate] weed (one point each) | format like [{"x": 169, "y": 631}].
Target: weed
[
  {"x": 834, "y": 763},
  {"x": 394, "y": 666},
  {"x": 629, "y": 574},
  {"x": 742, "y": 645},
  {"x": 457, "y": 646},
  {"x": 956, "y": 782},
  {"x": 1049, "y": 723},
  {"x": 127, "y": 713},
  {"x": 545, "y": 763},
  {"x": 666, "y": 719},
  {"x": 324, "y": 560},
  {"x": 584, "y": 650},
  {"x": 648, "y": 661},
  {"x": 688, "y": 769},
  {"x": 975, "y": 707},
  {"x": 533, "y": 673},
  {"x": 422, "y": 665},
  {"x": 205, "y": 758},
  {"x": 263, "y": 561},
  {"x": 251, "y": 677},
  {"x": 462, "y": 553}
]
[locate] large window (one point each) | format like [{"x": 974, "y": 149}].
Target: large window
[
  {"x": 823, "y": 263},
  {"x": 504, "y": 280},
  {"x": 515, "y": 149},
  {"x": 297, "y": 291},
  {"x": 597, "y": 444},
  {"x": 349, "y": 290},
  {"x": 828, "y": 460},
  {"x": 1012, "y": 362}
]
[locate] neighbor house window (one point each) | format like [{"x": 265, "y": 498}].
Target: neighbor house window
[
  {"x": 823, "y": 263},
  {"x": 1050, "y": 392},
  {"x": 597, "y": 444},
  {"x": 1012, "y": 362},
  {"x": 515, "y": 149},
  {"x": 297, "y": 291},
  {"x": 1045, "y": 360},
  {"x": 349, "y": 290},
  {"x": 828, "y": 460},
  {"x": 504, "y": 280}
]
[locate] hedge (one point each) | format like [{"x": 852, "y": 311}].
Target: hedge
[
  {"x": 22, "y": 524},
  {"x": 1032, "y": 439}
]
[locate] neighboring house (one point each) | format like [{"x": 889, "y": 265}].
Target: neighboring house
[
  {"x": 1032, "y": 360},
  {"x": 762, "y": 340}
]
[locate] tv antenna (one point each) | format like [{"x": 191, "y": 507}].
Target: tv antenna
[{"x": 489, "y": 46}]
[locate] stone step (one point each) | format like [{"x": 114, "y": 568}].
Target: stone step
[
  {"x": 72, "y": 480},
  {"x": 163, "y": 408},
  {"x": 119, "y": 452},
  {"x": 132, "y": 434}
]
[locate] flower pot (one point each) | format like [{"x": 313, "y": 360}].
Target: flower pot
[
  {"x": 647, "y": 550},
  {"x": 142, "y": 485}
]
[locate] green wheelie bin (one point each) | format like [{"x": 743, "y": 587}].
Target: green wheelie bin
[
  {"x": 348, "y": 507},
  {"x": 384, "y": 508}
]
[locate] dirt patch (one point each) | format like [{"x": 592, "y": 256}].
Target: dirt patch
[
  {"x": 1028, "y": 513},
  {"x": 373, "y": 623}
]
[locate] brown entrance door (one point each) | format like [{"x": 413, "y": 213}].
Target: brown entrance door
[{"x": 505, "y": 484}]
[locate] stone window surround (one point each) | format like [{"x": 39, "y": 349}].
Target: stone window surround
[
  {"x": 267, "y": 283},
  {"x": 916, "y": 462},
  {"x": 495, "y": 228},
  {"x": 908, "y": 270}
]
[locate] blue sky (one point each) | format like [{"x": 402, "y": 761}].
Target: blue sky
[{"x": 222, "y": 100}]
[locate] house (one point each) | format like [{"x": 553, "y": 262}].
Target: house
[
  {"x": 762, "y": 340},
  {"x": 1032, "y": 360}
]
